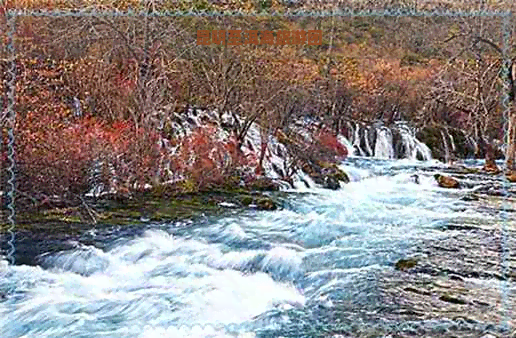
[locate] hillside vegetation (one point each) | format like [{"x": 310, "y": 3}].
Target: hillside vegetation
[{"x": 132, "y": 76}]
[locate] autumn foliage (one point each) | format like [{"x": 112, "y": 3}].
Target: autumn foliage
[
  {"x": 209, "y": 160},
  {"x": 56, "y": 158},
  {"x": 329, "y": 144},
  {"x": 131, "y": 78}
]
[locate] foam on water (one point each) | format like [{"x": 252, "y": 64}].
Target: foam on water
[
  {"x": 156, "y": 280},
  {"x": 241, "y": 274}
]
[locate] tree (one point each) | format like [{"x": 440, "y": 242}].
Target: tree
[
  {"x": 511, "y": 123},
  {"x": 471, "y": 86}
]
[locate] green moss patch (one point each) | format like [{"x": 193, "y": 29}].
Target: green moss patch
[{"x": 152, "y": 206}]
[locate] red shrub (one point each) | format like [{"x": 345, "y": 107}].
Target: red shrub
[
  {"x": 209, "y": 161},
  {"x": 329, "y": 142},
  {"x": 56, "y": 157}
]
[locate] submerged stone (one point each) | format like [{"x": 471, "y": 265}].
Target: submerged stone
[
  {"x": 405, "y": 264},
  {"x": 470, "y": 198},
  {"x": 451, "y": 299}
]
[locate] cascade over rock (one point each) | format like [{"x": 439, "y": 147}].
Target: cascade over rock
[
  {"x": 447, "y": 143},
  {"x": 396, "y": 141}
]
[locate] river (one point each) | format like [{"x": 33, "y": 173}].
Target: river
[{"x": 321, "y": 266}]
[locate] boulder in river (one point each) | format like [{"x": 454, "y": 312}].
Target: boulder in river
[
  {"x": 511, "y": 176},
  {"x": 447, "y": 181},
  {"x": 470, "y": 197},
  {"x": 491, "y": 167},
  {"x": 416, "y": 178},
  {"x": 266, "y": 204}
]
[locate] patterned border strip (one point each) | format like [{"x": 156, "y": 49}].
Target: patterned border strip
[
  {"x": 288, "y": 13},
  {"x": 13, "y": 14}
]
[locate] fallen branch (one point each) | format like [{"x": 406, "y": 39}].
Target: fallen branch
[{"x": 90, "y": 211}]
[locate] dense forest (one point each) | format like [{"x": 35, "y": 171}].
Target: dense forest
[{"x": 113, "y": 89}]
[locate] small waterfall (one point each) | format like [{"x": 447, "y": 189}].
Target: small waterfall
[
  {"x": 347, "y": 144},
  {"x": 368, "y": 147},
  {"x": 473, "y": 144},
  {"x": 383, "y": 147},
  {"x": 452, "y": 141},
  {"x": 349, "y": 131},
  {"x": 95, "y": 181},
  {"x": 303, "y": 181},
  {"x": 446, "y": 148},
  {"x": 414, "y": 149},
  {"x": 356, "y": 141},
  {"x": 423, "y": 149},
  {"x": 379, "y": 141}
]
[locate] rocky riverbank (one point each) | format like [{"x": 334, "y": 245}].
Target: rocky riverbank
[
  {"x": 56, "y": 229},
  {"x": 460, "y": 277},
  {"x": 466, "y": 275}
]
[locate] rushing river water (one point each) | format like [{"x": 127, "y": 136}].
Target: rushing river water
[{"x": 315, "y": 268}]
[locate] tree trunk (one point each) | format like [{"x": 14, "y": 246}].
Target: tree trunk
[
  {"x": 490, "y": 164},
  {"x": 511, "y": 129},
  {"x": 263, "y": 149},
  {"x": 511, "y": 139}
]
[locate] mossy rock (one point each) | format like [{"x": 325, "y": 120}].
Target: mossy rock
[
  {"x": 138, "y": 210},
  {"x": 341, "y": 176},
  {"x": 266, "y": 204},
  {"x": 232, "y": 181},
  {"x": 326, "y": 174},
  {"x": 331, "y": 179},
  {"x": 247, "y": 200},
  {"x": 188, "y": 186},
  {"x": 263, "y": 184},
  {"x": 327, "y": 165},
  {"x": 164, "y": 190},
  {"x": 405, "y": 264}
]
